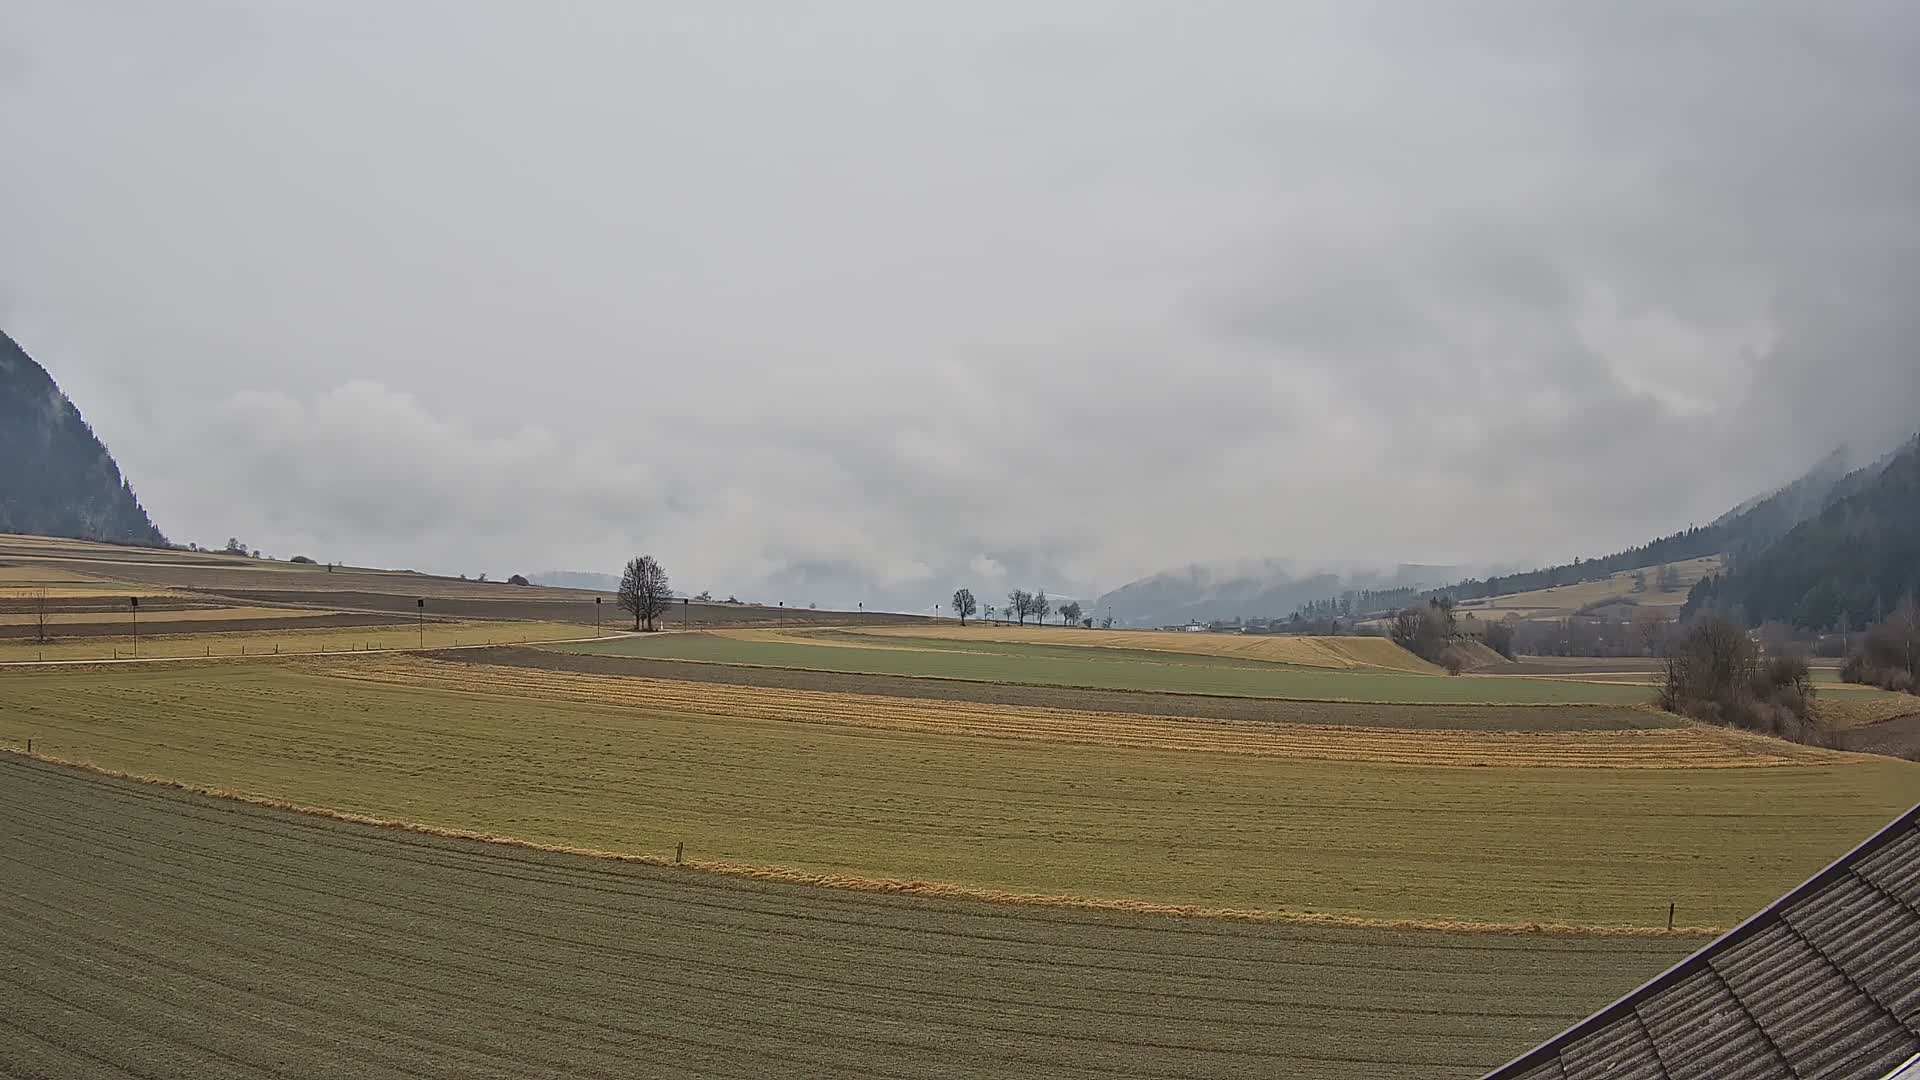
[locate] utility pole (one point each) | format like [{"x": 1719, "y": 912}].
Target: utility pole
[
  {"x": 596, "y": 616},
  {"x": 133, "y": 605},
  {"x": 421, "y": 603}
]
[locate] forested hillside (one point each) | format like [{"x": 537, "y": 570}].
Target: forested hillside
[
  {"x": 56, "y": 479},
  {"x": 1845, "y": 567},
  {"x": 1747, "y": 529}
]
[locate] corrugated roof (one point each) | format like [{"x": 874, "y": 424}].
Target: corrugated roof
[
  {"x": 1909, "y": 1071},
  {"x": 1824, "y": 983}
]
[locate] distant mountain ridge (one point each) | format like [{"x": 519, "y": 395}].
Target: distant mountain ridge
[
  {"x": 577, "y": 579},
  {"x": 1269, "y": 588},
  {"x": 58, "y": 479}
]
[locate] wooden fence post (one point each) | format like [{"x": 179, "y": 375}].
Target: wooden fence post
[
  {"x": 679, "y": 850},
  {"x": 1669, "y": 916}
]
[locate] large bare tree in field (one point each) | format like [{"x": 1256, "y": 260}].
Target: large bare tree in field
[
  {"x": 1020, "y": 605},
  {"x": 964, "y": 604},
  {"x": 644, "y": 591},
  {"x": 1040, "y": 607}
]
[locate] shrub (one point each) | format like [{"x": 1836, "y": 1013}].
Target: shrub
[
  {"x": 301, "y": 559},
  {"x": 1889, "y": 653},
  {"x": 518, "y": 579},
  {"x": 1500, "y": 638},
  {"x": 1715, "y": 675}
]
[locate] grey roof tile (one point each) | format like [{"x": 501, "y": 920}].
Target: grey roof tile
[
  {"x": 1822, "y": 985},
  {"x": 1703, "y": 1031},
  {"x": 1547, "y": 1070},
  {"x": 1624, "y": 1049}
]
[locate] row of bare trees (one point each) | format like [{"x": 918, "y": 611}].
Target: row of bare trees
[{"x": 1021, "y": 605}]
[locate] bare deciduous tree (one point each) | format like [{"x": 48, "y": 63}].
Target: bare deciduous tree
[
  {"x": 964, "y": 604},
  {"x": 1040, "y": 607},
  {"x": 1647, "y": 636},
  {"x": 1712, "y": 661},
  {"x": 1070, "y": 612},
  {"x": 1668, "y": 578},
  {"x": 644, "y": 590},
  {"x": 1020, "y": 605},
  {"x": 40, "y": 606}
]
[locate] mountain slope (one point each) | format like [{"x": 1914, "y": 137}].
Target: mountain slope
[
  {"x": 1268, "y": 588},
  {"x": 1857, "y": 558},
  {"x": 1746, "y": 530},
  {"x": 56, "y": 479}
]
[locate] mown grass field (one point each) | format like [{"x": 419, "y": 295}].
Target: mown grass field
[
  {"x": 1568, "y": 599},
  {"x": 1338, "y": 653},
  {"x": 153, "y": 933},
  {"x": 1454, "y": 717},
  {"x": 59, "y": 622},
  {"x": 72, "y": 569},
  {"x": 1102, "y": 810},
  {"x": 1106, "y": 668}
]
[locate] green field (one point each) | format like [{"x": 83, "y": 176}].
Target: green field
[
  {"x": 1108, "y": 669},
  {"x": 1587, "y": 846},
  {"x": 1455, "y": 717},
  {"x": 157, "y": 934}
]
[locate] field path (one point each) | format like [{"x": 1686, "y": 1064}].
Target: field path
[{"x": 288, "y": 655}]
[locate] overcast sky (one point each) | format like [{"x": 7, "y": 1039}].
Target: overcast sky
[{"x": 837, "y": 301}]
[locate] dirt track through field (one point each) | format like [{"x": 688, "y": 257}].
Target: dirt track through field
[
  {"x": 1140, "y": 702},
  {"x": 212, "y": 624}
]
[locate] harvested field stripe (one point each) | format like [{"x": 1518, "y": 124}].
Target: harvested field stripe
[
  {"x": 895, "y": 887},
  {"x": 1339, "y": 653},
  {"x": 1116, "y": 669},
  {"x": 1023, "y": 817},
  {"x": 1448, "y": 717},
  {"x": 1689, "y": 747}
]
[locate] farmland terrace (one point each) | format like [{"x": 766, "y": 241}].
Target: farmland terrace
[
  {"x": 905, "y": 849},
  {"x": 157, "y": 933}
]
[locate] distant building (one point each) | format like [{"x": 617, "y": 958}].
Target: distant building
[{"x": 1824, "y": 983}]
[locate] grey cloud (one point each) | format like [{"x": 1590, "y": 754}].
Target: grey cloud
[{"x": 867, "y": 304}]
